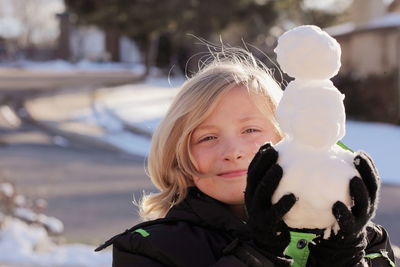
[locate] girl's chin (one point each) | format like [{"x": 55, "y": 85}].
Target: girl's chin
[
  {"x": 233, "y": 199},
  {"x": 238, "y": 203}
]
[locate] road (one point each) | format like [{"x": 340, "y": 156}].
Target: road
[
  {"x": 90, "y": 191},
  {"x": 14, "y": 80}
]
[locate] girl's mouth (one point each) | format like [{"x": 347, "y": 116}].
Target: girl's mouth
[{"x": 233, "y": 173}]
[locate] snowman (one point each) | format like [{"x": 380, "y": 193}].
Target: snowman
[{"x": 312, "y": 117}]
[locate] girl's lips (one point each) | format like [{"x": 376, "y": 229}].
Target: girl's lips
[{"x": 234, "y": 173}]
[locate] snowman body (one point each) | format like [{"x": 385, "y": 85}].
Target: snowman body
[
  {"x": 316, "y": 188},
  {"x": 312, "y": 117}
]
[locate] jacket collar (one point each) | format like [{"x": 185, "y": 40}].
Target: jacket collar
[{"x": 200, "y": 209}]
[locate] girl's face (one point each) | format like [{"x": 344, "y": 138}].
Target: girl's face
[{"x": 226, "y": 142}]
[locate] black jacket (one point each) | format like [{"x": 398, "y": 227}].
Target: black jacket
[{"x": 201, "y": 231}]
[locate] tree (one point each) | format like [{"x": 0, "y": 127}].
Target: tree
[
  {"x": 31, "y": 22},
  {"x": 145, "y": 20},
  {"x": 309, "y": 12}
]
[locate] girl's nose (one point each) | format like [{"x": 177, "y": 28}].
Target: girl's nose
[
  {"x": 231, "y": 157},
  {"x": 233, "y": 152}
]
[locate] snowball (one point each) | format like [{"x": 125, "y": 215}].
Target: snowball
[
  {"x": 25, "y": 214},
  {"x": 52, "y": 224},
  {"x": 19, "y": 200},
  {"x": 318, "y": 178},
  {"x": 307, "y": 52},
  {"x": 312, "y": 113},
  {"x": 29, "y": 245},
  {"x": 7, "y": 189}
]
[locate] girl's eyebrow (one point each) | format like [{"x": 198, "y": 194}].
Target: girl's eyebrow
[
  {"x": 211, "y": 126},
  {"x": 248, "y": 118},
  {"x": 205, "y": 127}
]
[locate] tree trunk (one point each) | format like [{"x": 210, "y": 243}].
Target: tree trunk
[
  {"x": 151, "y": 52},
  {"x": 64, "y": 51},
  {"x": 112, "y": 44}
]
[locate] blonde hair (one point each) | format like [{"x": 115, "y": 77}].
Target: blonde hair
[{"x": 170, "y": 164}]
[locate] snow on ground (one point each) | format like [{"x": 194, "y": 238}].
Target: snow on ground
[
  {"x": 28, "y": 245},
  {"x": 83, "y": 65},
  {"x": 381, "y": 141},
  {"x": 386, "y": 21},
  {"x": 142, "y": 105}
]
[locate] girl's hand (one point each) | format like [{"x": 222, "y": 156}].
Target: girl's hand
[
  {"x": 346, "y": 248},
  {"x": 267, "y": 227}
]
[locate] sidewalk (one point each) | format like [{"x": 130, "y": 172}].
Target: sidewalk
[
  {"x": 23, "y": 80},
  {"x": 120, "y": 118}
]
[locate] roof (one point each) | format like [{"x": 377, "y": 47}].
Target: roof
[{"x": 389, "y": 20}]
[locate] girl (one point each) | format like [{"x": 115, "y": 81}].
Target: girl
[{"x": 213, "y": 207}]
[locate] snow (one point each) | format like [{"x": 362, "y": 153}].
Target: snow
[
  {"x": 10, "y": 27},
  {"x": 311, "y": 114},
  {"x": 341, "y": 29},
  {"x": 54, "y": 225},
  {"x": 6, "y": 189},
  {"x": 141, "y": 105},
  {"x": 39, "y": 16},
  {"x": 19, "y": 200},
  {"x": 83, "y": 65},
  {"x": 314, "y": 174},
  {"x": 22, "y": 244},
  {"x": 379, "y": 140},
  {"x": 306, "y": 52},
  {"x": 386, "y": 21}
]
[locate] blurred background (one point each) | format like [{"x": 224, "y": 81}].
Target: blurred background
[{"x": 84, "y": 83}]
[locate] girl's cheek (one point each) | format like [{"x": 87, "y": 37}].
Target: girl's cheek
[
  {"x": 258, "y": 142},
  {"x": 204, "y": 150},
  {"x": 203, "y": 155}
]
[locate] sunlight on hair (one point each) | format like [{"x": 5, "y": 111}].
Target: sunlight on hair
[{"x": 170, "y": 164}]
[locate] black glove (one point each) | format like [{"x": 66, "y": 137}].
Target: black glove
[
  {"x": 346, "y": 248},
  {"x": 268, "y": 230}
]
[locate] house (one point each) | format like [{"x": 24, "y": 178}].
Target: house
[
  {"x": 370, "y": 69},
  {"x": 81, "y": 42}
]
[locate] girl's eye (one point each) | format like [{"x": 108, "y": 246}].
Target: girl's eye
[
  {"x": 207, "y": 138},
  {"x": 251, "y": 130}
]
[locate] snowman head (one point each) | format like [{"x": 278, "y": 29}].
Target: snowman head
[
  {"x": 311, "y": 111},
  {"x": 308, "y": 53}
]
